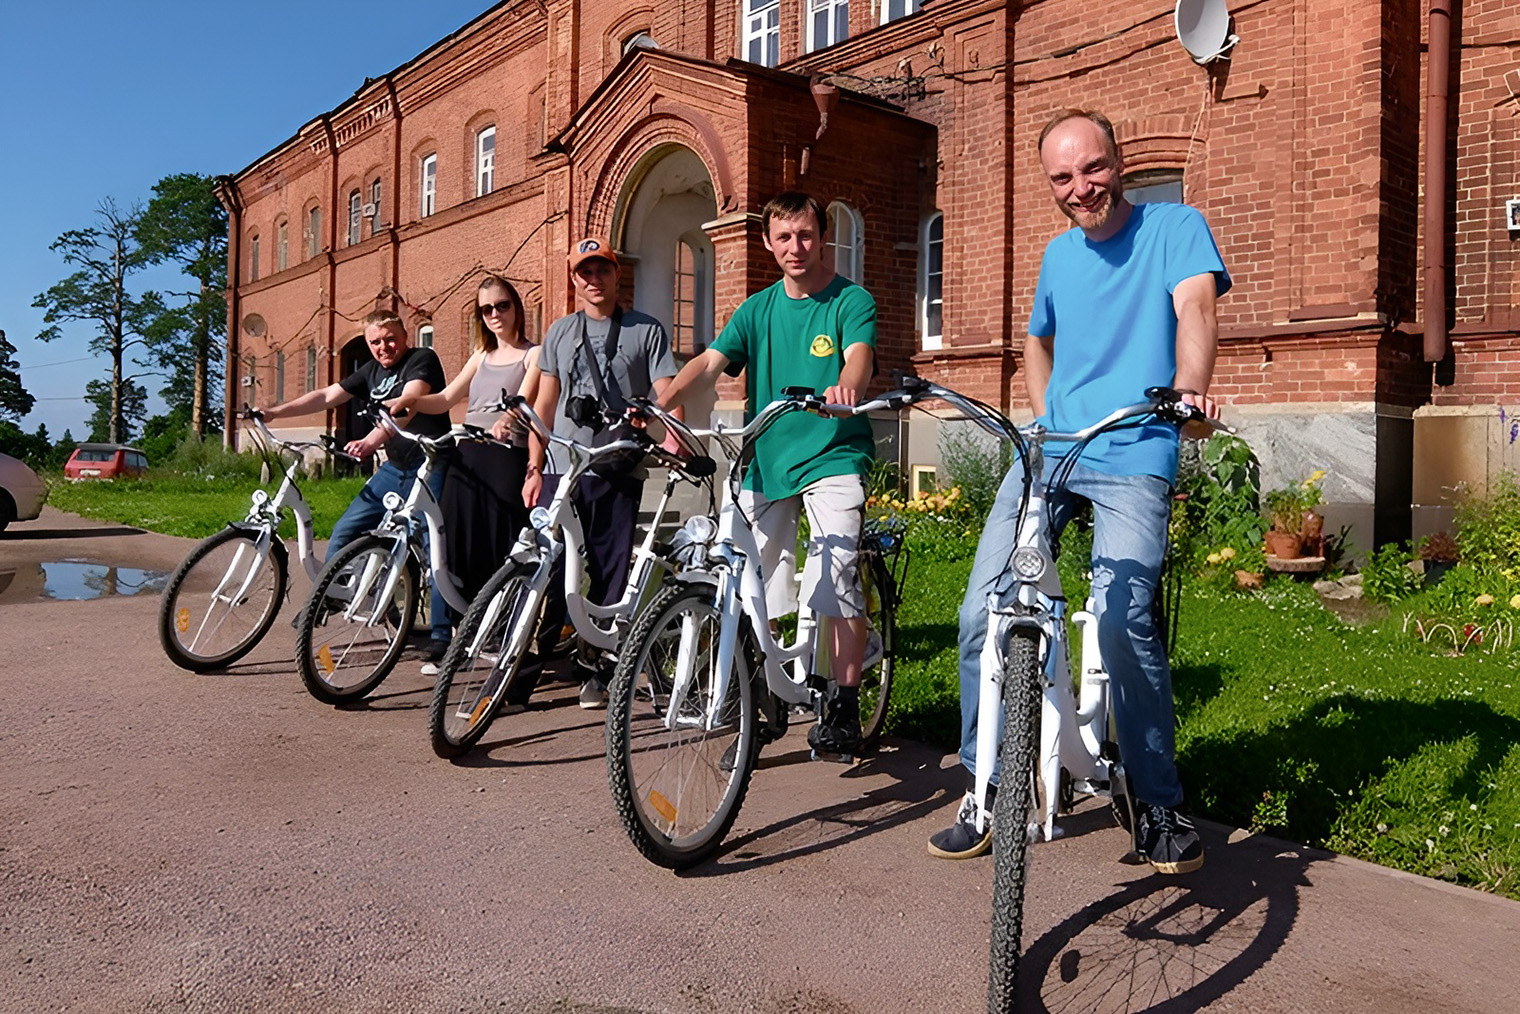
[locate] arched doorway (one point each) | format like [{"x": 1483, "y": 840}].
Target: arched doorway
[
  {"x": 348, "y": 419},
  {"x": 662, "y": 209}
]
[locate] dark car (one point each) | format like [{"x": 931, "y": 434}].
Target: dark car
[{"x": 105, "y": 461}]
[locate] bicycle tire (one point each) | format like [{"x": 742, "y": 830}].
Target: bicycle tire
[
  {"x": 1010, "y": 816},
  {"x": 364, "y": 652},
  {"x": 189, "y": 604},
  {"x": 671, "y": 793},
  {"x": 876, "y": 680},
  {"x": 472, "y": 687}
]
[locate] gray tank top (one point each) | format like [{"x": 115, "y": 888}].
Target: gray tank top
[{"x": 486, "y": 387}]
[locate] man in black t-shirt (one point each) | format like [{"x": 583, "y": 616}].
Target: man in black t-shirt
[{"x": 395, "y": 368}]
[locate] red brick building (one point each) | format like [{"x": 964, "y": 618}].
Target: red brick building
[{"x": 668, "y": 125}]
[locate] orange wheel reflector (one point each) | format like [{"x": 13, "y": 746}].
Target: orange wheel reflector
[
  {"x": 325, "y": 659},
  {"x": 662, "y": 806},
  {"x": 479, "y": 712},
  {"x": 182, "y": 619}
]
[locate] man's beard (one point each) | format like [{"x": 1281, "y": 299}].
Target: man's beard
[{"x": 1094, "y": 219}]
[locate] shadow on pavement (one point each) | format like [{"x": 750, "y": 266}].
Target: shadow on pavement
[
  {"x": 68, "y": 533},
  {"x": 1169, "y": 945},
  {"x": 919, "y": 789}
]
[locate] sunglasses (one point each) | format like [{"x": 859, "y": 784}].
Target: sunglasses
[{"x": 504, "y": 307}]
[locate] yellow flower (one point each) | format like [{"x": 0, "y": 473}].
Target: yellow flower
[
  {"x": 1514, "y": 602},
  {"x": 1227, "y": 553},
  {"x": 1316, "y": 476},
  {"x": 1484, "y": 600},
  {"x": 1216, "y": 558}
]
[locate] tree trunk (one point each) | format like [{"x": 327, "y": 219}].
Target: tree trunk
[{"x": 198, "y": 402}]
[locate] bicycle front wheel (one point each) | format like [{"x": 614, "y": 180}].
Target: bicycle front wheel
[
  {"x": 221, "y": 600},
  {"x": 881, "y": 648},
  {"x": 484, "y": 656},
  {"x": 678, "y": 785},
  {"x": 1010, "y": 816},
  {"x": 351, "y": 632}
]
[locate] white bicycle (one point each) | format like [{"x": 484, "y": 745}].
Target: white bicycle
[
  {"x": 479, "y": 671},
  {"x": 703, "y": 682},
  {"x": 221, "y": 601},
  {"x": 363, "y": 604},
  {"x": 1051, "y": 739}
]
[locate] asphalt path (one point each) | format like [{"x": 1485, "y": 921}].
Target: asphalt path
[{"x": 172, "y": 842}]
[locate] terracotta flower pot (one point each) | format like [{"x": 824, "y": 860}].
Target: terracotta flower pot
[{"x": 1283, "y": 545}]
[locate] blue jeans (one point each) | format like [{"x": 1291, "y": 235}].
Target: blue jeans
[
  {"x": 365, "y": 513},
  {"x": 1130, "y": 515}
]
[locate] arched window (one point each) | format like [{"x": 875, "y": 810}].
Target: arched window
[
  {"x": 932, "y": 281},
  {"x": 282, "y": 246},
  {"x": 429, "y": 185},
  {"x": 891, "y": 10},
  {"x": 847, "y": 236},
  {"x": 828, "y": 22},
  {"x": 355, "y": 212},
  {"x": 690, "y": 324},
  {"x": 639, "y": 40},
  {"x": 375, "y": 192},
  {"x": 253, "y": 258},
  {"x": 313, "y": 231},
  {"x": 485, "y": 161},
  {"x": 425, "y": 336}
]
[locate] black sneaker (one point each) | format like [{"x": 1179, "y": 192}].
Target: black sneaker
[
  {"x": 1166, "y": 839},
  {"x": 432, "y": 655},
  {"x": 839, "y": 732},
  {"x": 962, "y": 840}
]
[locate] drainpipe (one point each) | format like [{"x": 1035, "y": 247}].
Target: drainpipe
[
  {"x": 332, "y": 261},
  {"x": 226, "y": 193},
  {"x": 1437, "y": 75},
  {"x": 390, "y": 86}
]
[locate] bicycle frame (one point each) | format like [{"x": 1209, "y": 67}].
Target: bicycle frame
[{"x": 266, "y": 513}]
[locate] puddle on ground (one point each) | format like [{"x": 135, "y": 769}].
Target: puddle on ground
[{"x": 76, "y": 579}]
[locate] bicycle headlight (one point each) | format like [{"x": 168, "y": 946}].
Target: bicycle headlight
[
  {"x": 392, "y": 500},
  {"x": 538, "y": 517},
  {"x": 700, "y": 529},
  {"x": 1028, "y": 563},
  {"x": 260, "y": 498}
]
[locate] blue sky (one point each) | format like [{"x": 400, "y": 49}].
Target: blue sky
[{"x": 103, "y": 99}]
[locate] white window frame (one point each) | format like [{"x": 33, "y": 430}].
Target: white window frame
[
  {"x": 355, "y": 207},
  {"x": 849, "y": 251},
  {"x": 929, "y": 341},
  {"x": 253, "y": 257},
  {"x": 376, "y": 192},
  {"x": 835, "y": 15},
  {"x": 314, "y": 230},
  {"x": 425, "y": 336},
  {"x": 429, "y": 185},
  {"x": 1155, "y": 186},
  {"x": 760, "y": 40},
  {"x": 903, "y": 9},
  {"x": 485, "y": 160},
  {"x": 282, "y": 246}
]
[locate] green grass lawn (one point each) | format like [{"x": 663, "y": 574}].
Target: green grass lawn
[
  {"x": 1358, "y": 739},
  {"x": 192, "y": 506}
]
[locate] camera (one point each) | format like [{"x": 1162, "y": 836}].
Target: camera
[{"x": 585, "y": 410}]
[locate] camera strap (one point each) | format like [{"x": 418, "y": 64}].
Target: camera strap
[{"x": 597, "y": 381}]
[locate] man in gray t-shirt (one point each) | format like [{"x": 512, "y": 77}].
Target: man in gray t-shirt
[{"x": 568, "y": 397}]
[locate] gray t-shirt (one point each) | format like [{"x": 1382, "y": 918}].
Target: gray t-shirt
[{"x": 643, "y": 356}]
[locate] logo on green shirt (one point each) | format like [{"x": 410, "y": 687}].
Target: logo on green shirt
[{"x": 823, "y": 346}]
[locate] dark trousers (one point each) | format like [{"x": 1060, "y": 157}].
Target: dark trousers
[{"x": 608, "y": 509}]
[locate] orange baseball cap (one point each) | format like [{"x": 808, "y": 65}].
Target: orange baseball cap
[{"x": 592, "y": 246}]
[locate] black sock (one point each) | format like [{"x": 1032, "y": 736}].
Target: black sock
[{"x": 847, "y": 701}]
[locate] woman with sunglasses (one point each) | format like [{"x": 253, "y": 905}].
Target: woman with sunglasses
[{"x": 482, "y": 502}]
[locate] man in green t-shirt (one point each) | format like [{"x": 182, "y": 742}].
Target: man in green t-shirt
[{"x": 812, "y": 329}]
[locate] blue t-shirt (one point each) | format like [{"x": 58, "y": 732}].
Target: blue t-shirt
[{"x": 1109, "y": 306}]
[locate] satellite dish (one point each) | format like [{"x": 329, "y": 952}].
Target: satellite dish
[
  {"x": 1203, "y": 28},
  {"x": 254, "y": 325}
]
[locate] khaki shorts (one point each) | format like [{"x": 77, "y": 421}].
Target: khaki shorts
[{"x": 836, "y": 507}]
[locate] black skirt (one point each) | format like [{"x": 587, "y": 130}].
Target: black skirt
[{"x": 483, "y": 510}]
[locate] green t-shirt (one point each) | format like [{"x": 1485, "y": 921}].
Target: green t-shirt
[{"x": 785, "y": 342}]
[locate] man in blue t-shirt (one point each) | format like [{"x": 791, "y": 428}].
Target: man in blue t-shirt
[{"x": 1125, "y": 301}]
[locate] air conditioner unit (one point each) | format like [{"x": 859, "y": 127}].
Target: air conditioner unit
[{"x": 371, "y": 210}]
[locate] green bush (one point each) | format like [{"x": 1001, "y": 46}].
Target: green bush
[
  {"x": 1387, "y": 577},
  {"x": 975, "y": 464},
  {"x": 1488, "y": 528},
  {"x": 1219, "y": 490}
]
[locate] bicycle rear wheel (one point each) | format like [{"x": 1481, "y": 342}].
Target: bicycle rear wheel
[
  {"x": 678, "y": 791},
  {"x": 881, "y": 647},
  {"x": 478, "y": 670},
  {"x": 221, "y": 600},
  {"x": 347, "y": 638},
  {"x": 1010, "y": 816}
]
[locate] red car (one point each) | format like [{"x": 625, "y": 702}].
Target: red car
[{"x": 105, "y": 461}]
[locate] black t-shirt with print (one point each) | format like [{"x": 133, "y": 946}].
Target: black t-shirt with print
[{"x": 373, "y": 381}]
